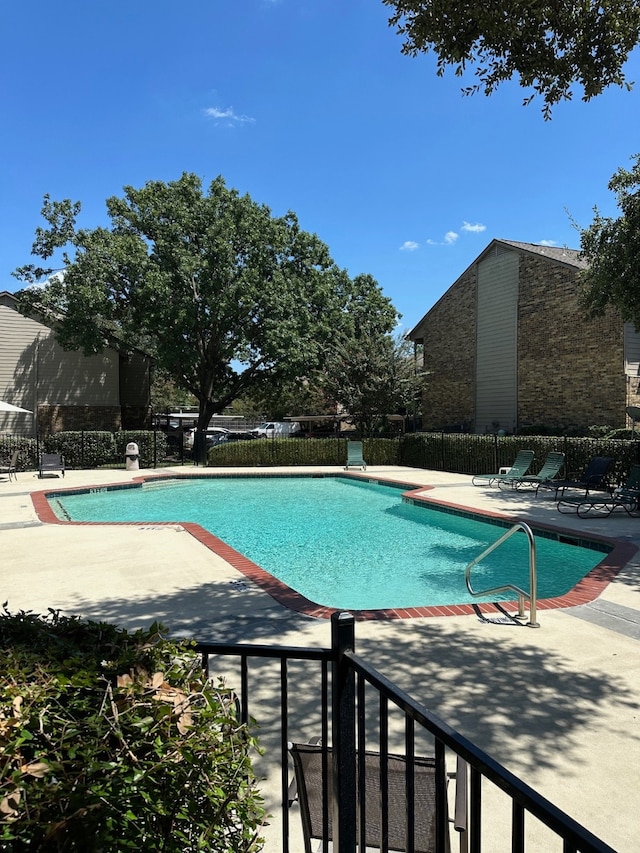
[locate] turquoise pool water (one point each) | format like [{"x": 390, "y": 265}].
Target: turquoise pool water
[{"x": 340, "y": 542}]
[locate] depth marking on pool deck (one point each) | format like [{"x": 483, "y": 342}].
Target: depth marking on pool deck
[{"x": 585, "y": 591}]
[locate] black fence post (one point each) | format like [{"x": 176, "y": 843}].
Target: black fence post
[
  {"x": 343, "y": 734},
  {"x": 496, "y": 467}
]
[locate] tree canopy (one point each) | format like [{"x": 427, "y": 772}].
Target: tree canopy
[
  {"x": 227, "y": 297},
  {"x": 371, "y": 376},
  {"x": 612, "y": 249},
  {"x": 550, "y": 46}
]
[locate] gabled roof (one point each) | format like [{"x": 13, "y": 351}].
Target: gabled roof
[
  {"x": 561, "y": 254},
  {"x": 557, "y": 254}
]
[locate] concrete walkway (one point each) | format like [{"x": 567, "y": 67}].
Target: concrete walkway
[{"x": 559, "y": 706}]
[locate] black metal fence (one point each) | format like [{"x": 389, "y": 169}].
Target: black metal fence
[
  {"x": 486, "y": 454},
  {"x": 295, "y": 693},
  {"x": 86, "y": 449},
  {"x": 455, "y": 452}
]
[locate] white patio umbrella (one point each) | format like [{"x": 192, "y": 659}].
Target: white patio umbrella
[{"x": 9, "y": 407}]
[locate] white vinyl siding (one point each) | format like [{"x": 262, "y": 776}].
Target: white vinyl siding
[
  {"x": 497, "y": 341},
  {"x": 35, "y": 370},
  {"x": 73, "y": 379},
  {"x": 631, "y": 350}
]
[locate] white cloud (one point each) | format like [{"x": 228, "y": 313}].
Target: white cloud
[
  {"x": 548, "y": 243},
  {"x": 451, "y": 237},
  {"x": 227, "y": 117},
  {"x": 476, "y": 228},
  {"x": 409, "y": 246}
]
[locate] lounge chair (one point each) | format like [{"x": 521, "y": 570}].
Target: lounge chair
[
  {"x": 552, "y": 466},
  {"x": 627, "y": 497},
  {"x": 593, "y": 478},
  {"x": 51, "y": 462},
  {"x": 520, "y": 466},
  {"x": 307, "y": 790},
  {"x": 9, "y": 467},
  {"x": 354, "y": 456}
]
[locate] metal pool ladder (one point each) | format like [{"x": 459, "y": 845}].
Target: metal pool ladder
[{"x": 522, "y": 595}]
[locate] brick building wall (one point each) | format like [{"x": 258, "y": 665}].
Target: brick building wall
[
  {"x": 570, "y": 369},
  {"x": 449, "y": 356},
  {"x": 52, "y": 419}
]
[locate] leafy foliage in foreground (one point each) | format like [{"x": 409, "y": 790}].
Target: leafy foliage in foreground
[
  {"x": 114, "y": 741},
  {"x": 547, "y": 46}
]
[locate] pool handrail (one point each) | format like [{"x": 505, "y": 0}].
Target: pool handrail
[{"x": 533, "y": 582}]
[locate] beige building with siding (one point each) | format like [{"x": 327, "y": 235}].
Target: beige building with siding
[
  {"x": 507, "y": 347},
  {"x": 66, "y": 390}
]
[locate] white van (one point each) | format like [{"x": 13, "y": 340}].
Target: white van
[{"x": 277, "y": 429}]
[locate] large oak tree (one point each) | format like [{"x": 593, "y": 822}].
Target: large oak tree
[{"x": 225, "y": 296}]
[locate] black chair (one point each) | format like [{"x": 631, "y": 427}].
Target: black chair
[
  {"x": 627, "y": 498},
  {"x": 51, "y": 462},
  {"x": 306, "y": 789},
  {"x": 594, "y": 477},
  {"x": 10, "y": 466}
]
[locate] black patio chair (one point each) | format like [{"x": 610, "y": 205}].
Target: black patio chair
[
  {"x": 51, "y": 462},
  {"x": 307, "y": 788},
  {"x": 627, "y": 498},
  {"x": 593, "y": 478}
]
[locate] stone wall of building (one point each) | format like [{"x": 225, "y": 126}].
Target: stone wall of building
[
  {"x": 449, "y": 357},
  {"x": 570, "y": 369}
]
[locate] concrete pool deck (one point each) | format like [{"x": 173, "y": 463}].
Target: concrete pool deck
[{"x": 559, "y": 705}]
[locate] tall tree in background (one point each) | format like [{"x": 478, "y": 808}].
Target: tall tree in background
[
  {"x": 550, "y": 46},
  {"x": 612, "y": 248},
  {"x": 226, "y": 297},
  {"x": 371, "y": 376}
]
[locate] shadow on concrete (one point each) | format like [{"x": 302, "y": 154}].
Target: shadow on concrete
[{"x": 499, "y": 684}]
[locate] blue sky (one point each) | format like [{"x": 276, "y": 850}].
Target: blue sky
[{"x": 309, "y": 106}]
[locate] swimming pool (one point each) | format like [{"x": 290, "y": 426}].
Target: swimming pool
[{"x": 342, "y": 542}]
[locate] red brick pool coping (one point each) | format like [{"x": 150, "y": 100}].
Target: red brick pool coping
[{"x": 588, "y": 589}]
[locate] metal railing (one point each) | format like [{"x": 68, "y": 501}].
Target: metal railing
[
  {"x": 333, "y": 693},
  {"x": 532, "y": 595}
]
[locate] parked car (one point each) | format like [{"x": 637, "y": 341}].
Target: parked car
[
  {"x": 211, "y": 434},
  {"x": 231, "y": 437}
]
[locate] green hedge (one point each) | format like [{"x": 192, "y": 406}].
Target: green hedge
[
  {"x": 82, "y": 448},
  {"x": 298, "y": 451},
  {"x": 146, "y": 441},
  {"x": 484, "y": 454},
  {"x": 456, "y": 452},
  {"x": 95, "y": 448},
  {"x": 280, "y": 451},
  {"x": 27, "y": 451}
]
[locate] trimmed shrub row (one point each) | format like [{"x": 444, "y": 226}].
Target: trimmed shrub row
[
  {"x": 456, "y": 452},
  {"x": 87, "y": 448}
]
